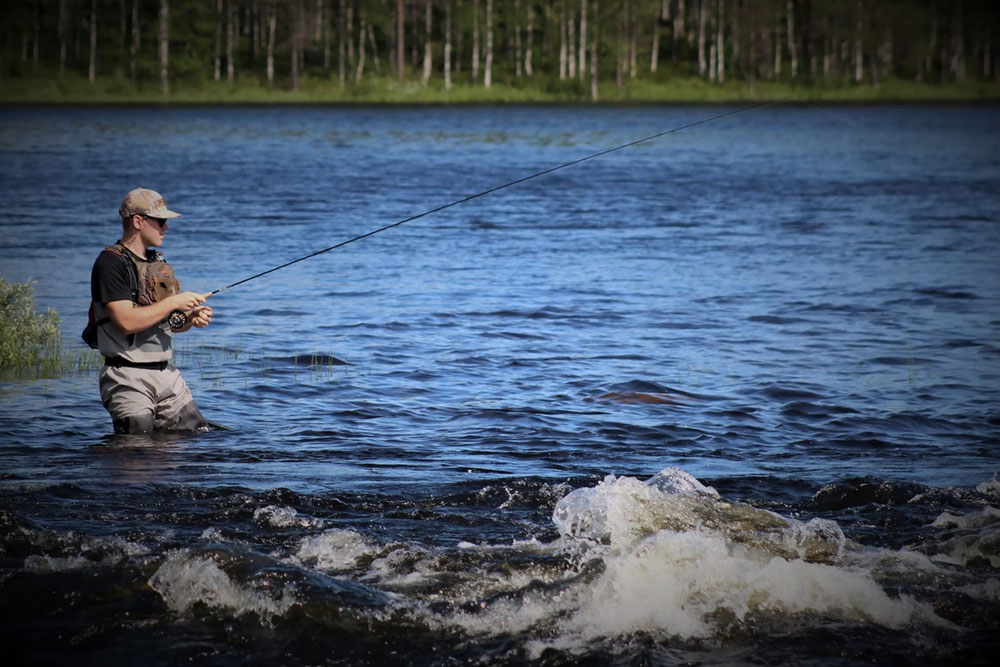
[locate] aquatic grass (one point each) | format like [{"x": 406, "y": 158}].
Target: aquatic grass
[{"x": 28, "y": 339}]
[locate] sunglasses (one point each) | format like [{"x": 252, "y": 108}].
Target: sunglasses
[{"x": 160, "y": 221}]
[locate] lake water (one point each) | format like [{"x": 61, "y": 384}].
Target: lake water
[{"x": 729, "y": 397}]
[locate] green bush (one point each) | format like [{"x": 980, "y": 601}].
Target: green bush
[{"x": 27, "y": 338}]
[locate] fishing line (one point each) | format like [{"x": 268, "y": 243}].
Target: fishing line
[{"x": 501, "y": 187}]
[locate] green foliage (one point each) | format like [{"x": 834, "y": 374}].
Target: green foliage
[{"x": 27, "y": 338}]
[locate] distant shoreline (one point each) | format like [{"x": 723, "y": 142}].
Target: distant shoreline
[{"x": 77, "y": 91}]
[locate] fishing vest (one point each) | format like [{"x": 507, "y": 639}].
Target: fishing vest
[{"x": 156, "y": 281}]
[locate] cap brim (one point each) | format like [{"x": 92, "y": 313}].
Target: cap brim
[{"x": 163, "y": 214}]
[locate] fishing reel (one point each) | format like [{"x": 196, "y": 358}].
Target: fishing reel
[{"x": 177, "y": 319}]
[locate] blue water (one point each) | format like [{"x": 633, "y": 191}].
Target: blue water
[{"x": 798, "y": 305}]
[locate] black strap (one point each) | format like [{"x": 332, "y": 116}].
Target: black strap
[{"x": 118, "y": 362}]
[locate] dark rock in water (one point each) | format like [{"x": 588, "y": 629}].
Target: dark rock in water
[{"x": 860, "y": 491}]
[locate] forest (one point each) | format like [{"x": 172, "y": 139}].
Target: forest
[{"x": 571, "y": 49}]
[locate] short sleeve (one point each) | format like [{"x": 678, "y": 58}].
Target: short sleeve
[{"x": 110, "y": 279}]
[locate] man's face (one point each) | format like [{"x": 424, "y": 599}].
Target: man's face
[{"x": 153, "y": 230}]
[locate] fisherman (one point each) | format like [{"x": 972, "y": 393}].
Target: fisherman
[{"x": 136, "y": 308}]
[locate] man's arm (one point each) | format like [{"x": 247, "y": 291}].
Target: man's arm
[{"x": 132, "y": 318}]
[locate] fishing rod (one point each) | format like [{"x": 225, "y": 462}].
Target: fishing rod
[{"x": 501, "y": 187}]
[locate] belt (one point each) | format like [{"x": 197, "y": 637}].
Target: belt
[{"x": 118, "y": 362}]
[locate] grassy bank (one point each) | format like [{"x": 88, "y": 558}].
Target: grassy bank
[{"x": 385, "y": 90}]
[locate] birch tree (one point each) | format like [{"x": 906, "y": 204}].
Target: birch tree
[
  {"x": 272, "y": 25},
  {"x": 702, "y": 34},
  {"x": 218, "y": 40},
  {"x": 362, "y": 36},
  {"x": 447, "y": 44},
  {"x": 793, "y": 51},
  {"x": 475, "y": 40},
  {"x": 400, "y": 40},
  {"x": 427, "y": 42},
  {"x": 136, "y": 36},
  {"x": 530, "y": 42},
  {"x": 165, "y": 46},
  {"x": 230, "y": 38},
  {"x": 92, "y": 70},
  {"x": 488, "y": 73}
]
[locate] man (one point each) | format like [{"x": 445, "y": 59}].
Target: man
[{"x": 134, "y": 293}]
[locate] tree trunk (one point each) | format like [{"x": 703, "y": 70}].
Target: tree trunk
[
  {"x": 362, "y": 36},
  {"x": 518, "y": 63},
  {"x": 122, "y": 33},
  {"x": 136, "y": 33},
  {"x": 296, "y": 36},
  {"x": 475, "y": 40},
  {"x": 63, "y": 21},
  {"x": 562, "y": 40},
  {"x": 400, "y": 40},
  {"x": 654, "y": 54},
  {"x": 619, "y": 50},
  {"x": 376, "y": 60},
  {"x": 414, "y": 35},
  {"x": 593, "y": 54},
  {"x": 571, "y": 44},
  {"x": 793, "y": 51},
  {"x": 633, "y": 42},
  {"x": 458, "y": 41},
  {"x": 702, "y": 64},
  {"x": 218, "y": 40},
  {"x": 341, "y": 46},
  {"x": 583, "y": 39},
  {"x": 778, "y": 50},
  {"x": 320, "y": 11},
  {"x": 447, "y": 44},
  {"x": 751, "y": 28},
  {"x": 957, "y": 65},
  {"x": 528, "y": 66},
  {"x": 428, "y": 65},
  {"x": 230, "y": 38},
  {"x": 272, "y": 24},
  {"x": 488, "y": 73},
  {"x": 92, "y": 71},
  {"x": 720, "y": 42},
  {"x": 165, "y": 46},
  {"x": 678, "y": 31},
  {"x": 859, "y": 62},
  {"x": 326, "y": 39},
  {"x": 352, "y": 62}
]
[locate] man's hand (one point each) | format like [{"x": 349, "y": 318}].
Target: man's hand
[
  {"x": 188, "y": 301},
  {"x": 200, "y": 317}
]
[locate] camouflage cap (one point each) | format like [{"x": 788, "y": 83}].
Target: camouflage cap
[{"x": 143, "y": 201}]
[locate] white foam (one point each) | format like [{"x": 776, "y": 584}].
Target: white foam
[
  {"x": 676, "y": 583},
  {"x": 184, "y": 581},
  {"x": 284, "y": 517},
  {"x": 990, "y": 487},
  {"x": 977, "y": 548},
  {"x": 681, "y": 561},
  {"x": 40, "y": 564},
  {"x": 335, "y": 549},
  {"x": 984, "y": 517},
  {"x": 988, "y": 590}
]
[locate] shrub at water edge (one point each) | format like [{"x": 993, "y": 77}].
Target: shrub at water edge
[{"x": 27, "y": 338}]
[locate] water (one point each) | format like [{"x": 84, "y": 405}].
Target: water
[{"x": 727, "y": 398}]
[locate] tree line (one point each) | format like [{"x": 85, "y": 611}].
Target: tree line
[{"x": 514, "y": 42}]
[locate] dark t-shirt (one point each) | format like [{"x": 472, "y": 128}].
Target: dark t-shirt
[{"x": 113, "y": 278}]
